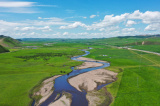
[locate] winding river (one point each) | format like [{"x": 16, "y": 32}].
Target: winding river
[{"x": 61, "y": 84}]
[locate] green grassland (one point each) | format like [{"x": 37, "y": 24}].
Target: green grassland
[
  {"x": 21, "y": 70},
  {"x": 154, "y": 48},
  {"x": 138, "y": 79},
  {"x": 2, "y": 49},
  {"x": 26, "y": 67},
  {"x": 148, "y": 43},
  {"x": 9, "y": 42}
]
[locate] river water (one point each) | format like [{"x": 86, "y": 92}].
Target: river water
[{"x": 61, "y": 85}]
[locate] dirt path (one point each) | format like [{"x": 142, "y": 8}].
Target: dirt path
[
  {"x": 144, "y": 51},
  {"x": 135, "y": 50},
  {"x": 154, "y": 62}
]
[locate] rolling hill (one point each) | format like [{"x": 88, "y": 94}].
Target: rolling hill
[
  {"x": 8, "y": 42},
  {"x": 2, "y": 49}
]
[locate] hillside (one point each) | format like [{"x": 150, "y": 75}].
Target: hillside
[
  {"x": 8, "y": 42},
  {"x": 143, "y": 42},
  {"x": 2, "y": 49}
]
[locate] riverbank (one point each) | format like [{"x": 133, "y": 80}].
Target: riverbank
[
  {"x": 99, "y": 98},
  {"x": 44, "y": 90},
  {"x": 65, "y": 100},
  {"x": 90, "y": 80},
  {"x": 89, "y": 59}
]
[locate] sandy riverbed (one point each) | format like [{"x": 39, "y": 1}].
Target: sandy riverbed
[
  {"x": 100, "y": 98},
  {"x": 45, "y": 90},
  {"x": 90, "y": 80},
  {"x": 63, "y": 101},
  {"x": 88, "y": 59},
  {"x": 88, "y": 65}
]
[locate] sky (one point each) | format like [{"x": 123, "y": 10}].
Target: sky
[{"x": 78, "y": 18}]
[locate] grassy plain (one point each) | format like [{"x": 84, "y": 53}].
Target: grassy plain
[
  {"x": 138, "y": 79},
  {"x": 21, "y": 70}
]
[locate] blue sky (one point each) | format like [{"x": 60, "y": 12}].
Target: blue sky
[{"x": 78, "y": 18}]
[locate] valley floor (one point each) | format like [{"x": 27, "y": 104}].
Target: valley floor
[{"x": 138, "y": 76}]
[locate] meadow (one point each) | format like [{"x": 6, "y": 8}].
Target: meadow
[
  {"x": 138, "y": 79},
  {"x": 22, "y": 70},
  {"x": 26, "y": 67}
]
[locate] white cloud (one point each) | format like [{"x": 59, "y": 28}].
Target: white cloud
[
  {"x": 111, "y": 25},
  {"x": 65, "y": 33},
  {"x": 45, "y": 28},
  {"x": 33, "y": 33},
  {"x": 20, "y": 7},
  {"x": 128, "y": 29},
  {"x": 45, "y": 5},
  {"x": 40, "y": 18},
  {"x": 85, "y": 17},
  {"x": 70, "y": 11},
  {"x": 92, "y": 16},
  {"x": 153, "y": 27},
  {"x": 16, "y": 28},
  {"x": 16, "y": 4},
  {"x": 5, "y": 23},
  {"x": 52, "y": 18},
  {"x": 74, "y": 25},
  {"x": 102, "y": 29},
  {"x": 53, "y": 21},
  {"x": 147, "y": 17},
  {"x": 109, "y": 20},
  {"x": 130, "y": 23},
  {"x": 112, "y": 28},
  {"x": 19, "y": 4},
  {"x": 18, "y": 10}
]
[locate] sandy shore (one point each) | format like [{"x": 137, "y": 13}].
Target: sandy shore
[
  {"x": 93, "y": 99},
  {"x": 45, "y": 90},
  {"x": 88, "y": 65},
  {"x": 88, "y": 59},
  {"x": 90, "y": 80},
  {"x": 100, "y": 98},
  {"x": 63, "y": 101}
]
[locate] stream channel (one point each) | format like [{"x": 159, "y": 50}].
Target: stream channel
[{"x": 61, "y": 85}]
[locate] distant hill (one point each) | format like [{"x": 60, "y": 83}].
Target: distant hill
[
  {"x": 132, "y": 40},
  {"x": 2, "y": 49},
  {"x": 140, "y": 36},
  {"x": 9, "y": 42}
]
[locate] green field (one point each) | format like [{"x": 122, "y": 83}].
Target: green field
[
  {"x": 2, "y": 49},
  {"x": 20, "y": 71},
  {"x": 138, "y": 79},
  {"x": 27, "y": 66}
]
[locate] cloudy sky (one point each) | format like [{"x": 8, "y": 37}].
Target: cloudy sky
[{"x": 78, "y": 18}]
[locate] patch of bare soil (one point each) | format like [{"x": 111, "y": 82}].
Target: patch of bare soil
[
  {"x": 88, "y": 59},
  {"x": 65, "y": 100},
  {"x": 90, "y": 80},
  {"x": 99, "y": 98},
  {"x": 88, "y": 65},
  {"x": 45, "y": 90}
]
